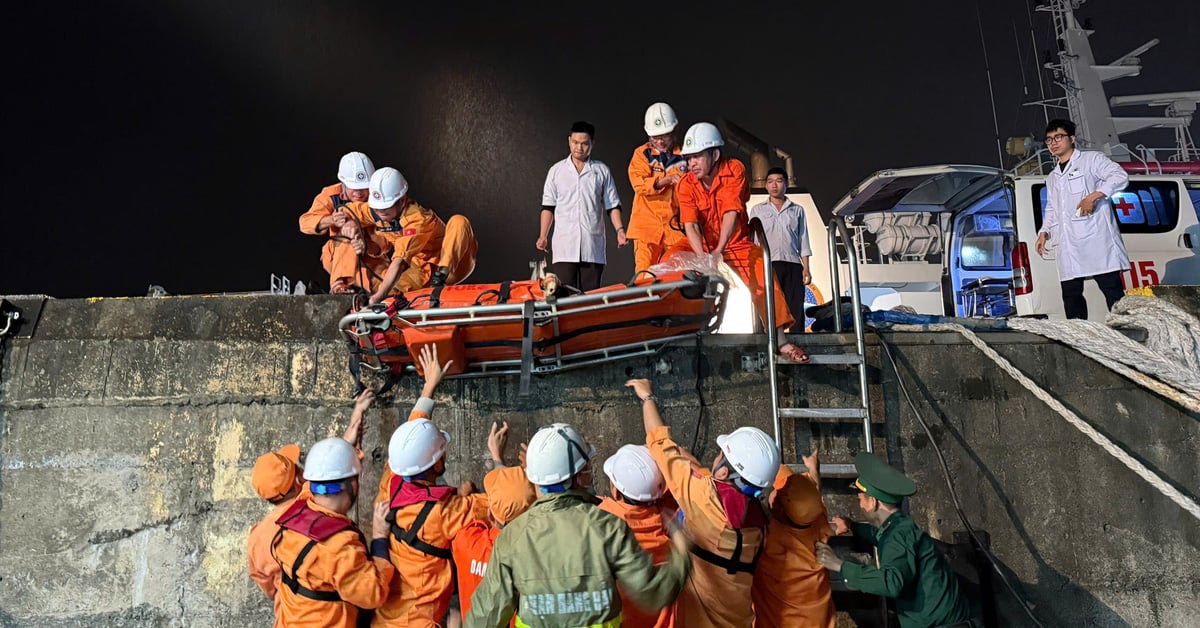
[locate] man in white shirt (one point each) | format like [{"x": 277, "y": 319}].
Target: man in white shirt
[
  {"x": 578, "y": 192},
  {"x": 1080, "y": 221},
  {"x": 787, "y": 235}
]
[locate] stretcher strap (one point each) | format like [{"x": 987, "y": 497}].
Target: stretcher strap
[
  {"x": 435, "y": 297},
  {"x": 526, "y": 348},
  {"x": 409, "y": 536}
]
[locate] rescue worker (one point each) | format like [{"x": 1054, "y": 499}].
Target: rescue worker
[
  {"x": 637, "y": 489},
  {"x": 654, "y": 170},
  {"x": 721, "y": 510},
  {"x": 712, "y": 207},
  {"x": 325, "y": 217},
  {"x": 1080, "y": 222},
  {"x": 791, "y": 589},
  {"x": 578, "y": 192},
  {"x": 787, "y": 235},
  {"x": 276, "y": 480},
  {"x": 424, "y": 516},
  {"x": 910, "y": 571},
  {"x": 559, "y": 563},
  {"x": 509, "y": 495},
  {"x": 424, "y": 251},
  {"x": 328, "y": 574}
]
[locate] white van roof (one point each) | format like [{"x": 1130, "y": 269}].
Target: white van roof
[{"x": 941, "y": 188}]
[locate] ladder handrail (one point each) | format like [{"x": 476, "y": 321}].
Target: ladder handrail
[
  {"x": 837, "y": 230},
  {"x": 760, "y": 234}
]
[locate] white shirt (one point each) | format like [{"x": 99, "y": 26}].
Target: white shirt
[
  {"x": 580, "y": 200},
  {"x": 1086, "y": 245},
  {"x": 787, "y": 233}
]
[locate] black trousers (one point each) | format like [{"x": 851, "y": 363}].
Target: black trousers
[
  {"x": 790, "y": 277},
  {"x": 582, "y": 275},
  {"x": 1072, "y": 290}
]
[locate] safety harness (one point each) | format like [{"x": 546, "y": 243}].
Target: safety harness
[
  {"x": 317, "y": 527},
  {"x": 741, "y": 511},
  {"x": 406, "y": 494}
]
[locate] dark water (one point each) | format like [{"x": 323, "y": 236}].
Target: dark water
[{"x": 177, "y": 143}]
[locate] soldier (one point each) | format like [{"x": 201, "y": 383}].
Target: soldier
[{"x": 910, "y": 570}]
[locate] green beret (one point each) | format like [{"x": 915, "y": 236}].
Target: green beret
[{"x": 880, "y": 480}]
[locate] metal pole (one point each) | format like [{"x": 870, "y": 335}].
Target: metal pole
[
  {"x": 835, "y": 279},
  {"x": 859, "y": 338},
  {"x": 756, "y": 229}
]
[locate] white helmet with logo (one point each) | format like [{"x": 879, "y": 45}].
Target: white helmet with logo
[
  {"x": 635, "y": 473},
  {"x": 387, "y": 187},
  {"x": 416, "y": 446},
  {"x": 555, "y": 454},
  {"x": 660, "y": 119},
  {"x": 331, "y": 460},
  {"x": 752, "y": 454},
  {"x": 355, "y": 170},
  {"x": 701, "y": 137}
]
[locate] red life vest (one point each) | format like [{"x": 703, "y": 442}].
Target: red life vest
[
  {"x": 406, "y": 494},
  {"x": 316, "y": 526}
]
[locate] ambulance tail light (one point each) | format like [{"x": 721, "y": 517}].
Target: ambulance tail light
[{"x": 1022, "y": 275}]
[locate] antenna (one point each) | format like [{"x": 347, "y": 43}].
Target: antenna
[
  {"x": 987, "y": 69},
  {"x": 1033, "y": 42}
]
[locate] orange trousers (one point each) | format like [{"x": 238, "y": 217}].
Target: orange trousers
[
  {"x": 457, "y": 253},
  {"x": 344, "y": 266},
  {"x": 746, "y": 260},
  {"x": 648, "y": 252}
]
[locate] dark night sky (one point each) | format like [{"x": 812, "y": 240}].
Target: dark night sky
[{"x": 176, "y": 143}]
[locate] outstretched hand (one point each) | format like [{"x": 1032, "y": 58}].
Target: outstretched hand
[
  {"x": 433, "y": 369},
  {"x": 497, "y": 439},
  {"x": 641, "y": 387},
  {"x": 353, "y": 434},
  {"x": 828, "y": 558}
]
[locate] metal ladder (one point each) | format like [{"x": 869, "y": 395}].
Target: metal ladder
[{"x": 837, "y": 231}]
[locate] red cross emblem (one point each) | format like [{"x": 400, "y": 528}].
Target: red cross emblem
[{"x": 1125, "y": 206}]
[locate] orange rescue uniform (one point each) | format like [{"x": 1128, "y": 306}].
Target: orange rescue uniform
[
  {"x": 650, "y": 527},
  {"x": 425, "y": 582},
  {"x": 337, "y": 256},
  {"x": 341, "y": 563},
  {"x": 653, "y": 210},
  {"x": 790, "y": 587},
  {"x": 707, "y": 207},
  {"x": 263, "y": 568},
  {"x": 420, "y": 238},
  {"x": 712, "y": 596}
]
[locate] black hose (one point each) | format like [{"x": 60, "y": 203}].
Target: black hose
[{"x": 950, "y": 485}]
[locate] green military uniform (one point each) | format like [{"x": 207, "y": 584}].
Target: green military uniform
[
  {"x": 560, "y": 562},
  {"x": 911, "y": 570}
]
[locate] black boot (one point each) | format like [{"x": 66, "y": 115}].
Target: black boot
[{"x": 438, "y": 278}]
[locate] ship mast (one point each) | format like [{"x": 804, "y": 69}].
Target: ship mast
[{"x": 1082, "y": 81}]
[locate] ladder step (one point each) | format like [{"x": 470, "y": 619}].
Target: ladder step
[
  {"x": 829, "y": 470},
  {"x": 824, "y": 358},
  {"x": 823, "y": 413}
]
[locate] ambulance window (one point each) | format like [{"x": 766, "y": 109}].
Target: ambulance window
[
  {"x": 1142, "y": 207},
  {"x": 986, "y": 251},
  {"x": 1193, "y": 188}
]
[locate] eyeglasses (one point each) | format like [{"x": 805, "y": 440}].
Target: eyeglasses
[{"x": 1054, "y": 139}]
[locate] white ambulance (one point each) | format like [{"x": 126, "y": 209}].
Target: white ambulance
[{"x": 959, "y": 240}]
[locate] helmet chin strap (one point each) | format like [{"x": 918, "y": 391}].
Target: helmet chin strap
[{"x": 747, "y": 489}]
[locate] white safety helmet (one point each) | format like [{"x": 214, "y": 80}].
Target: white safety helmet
[
  {"x": 331, "y": 460},
  {"x": 355, "y": 170},
  {"x": 555, "y": 454},
  {"x": 660, "y": 119},
  {"x": 701, "y": 137},
  {"x": 752, "y": 454},
  {"x": 387, "y": 187},
  {"x": 635, "y": 473},
  {"x": 416, "y": 446}
]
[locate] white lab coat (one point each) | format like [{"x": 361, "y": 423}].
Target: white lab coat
[
  {"x": 1090, "y": 245},
  {"x": 581, "y": 202}
]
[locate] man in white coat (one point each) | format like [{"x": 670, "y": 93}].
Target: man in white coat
[
  {"x": 579, "y": 191},
  {"x": 1079, "y": 219}
]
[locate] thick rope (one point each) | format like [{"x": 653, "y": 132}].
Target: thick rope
[{"x": 1112, "y": 448}]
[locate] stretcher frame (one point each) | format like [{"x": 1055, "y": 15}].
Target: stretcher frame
[{"x": 357, "y": 325}]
